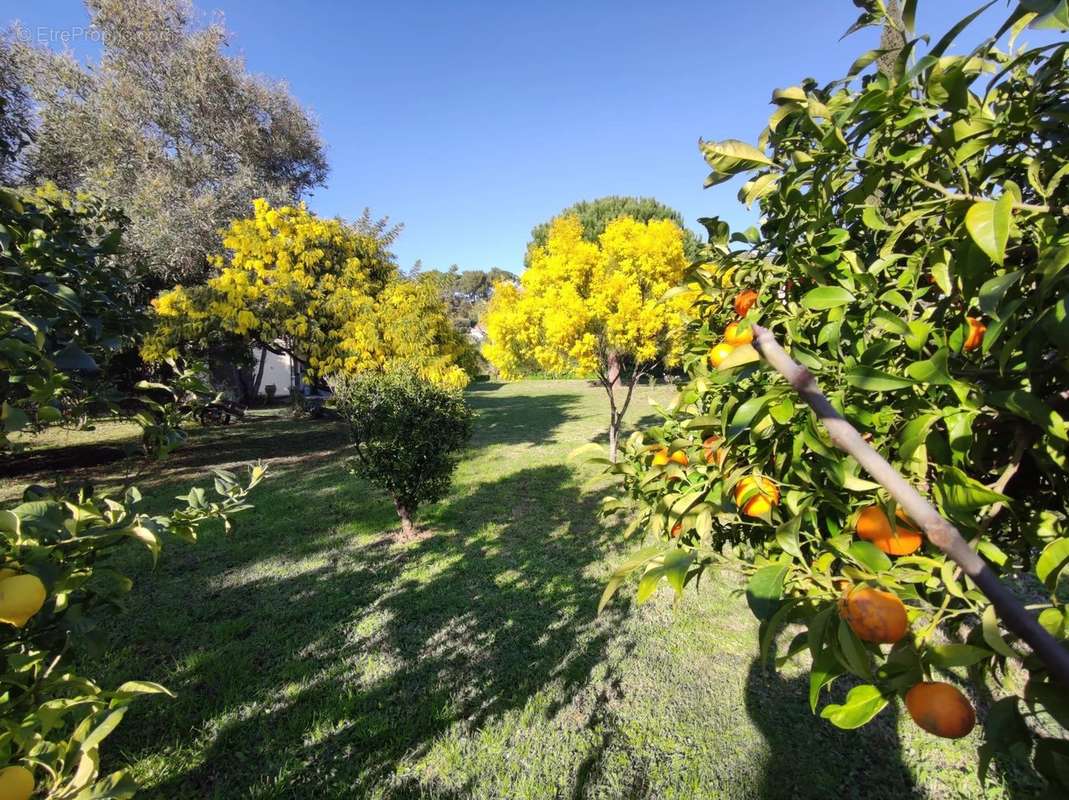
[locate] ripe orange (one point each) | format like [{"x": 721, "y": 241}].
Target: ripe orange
[
  {"x": 734, "y": 338},
  {"x": 660, "y": 458},
  {"x": 714, "y": 452},
  {"x": 21, "y": 596},
  {"x": 977, "y": 329},
  {"x": 677, "y": 529},
  {"x": 758, "y": 504},
  {"x": 744, "y": 302},
  {"x": 679, "y": 457},
  {"x": 873, "y": 526},
  {"x": 719, "y": 353},
  {"x": 874, "y": 615},
  {"x": 941, "y": 708},
  {"x": 16, "y": 783}
]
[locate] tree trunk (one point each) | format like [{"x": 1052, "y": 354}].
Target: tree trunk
[
  {"x": 614, "y": 437},
  {"x": 612, "y": 379},
  {"x": 405, "y": 513},
  {"x": 259, "y": 374}
]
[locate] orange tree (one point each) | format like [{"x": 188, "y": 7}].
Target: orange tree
[
  {"x": 65, "y": 308},
  {"x": 911, "y": 256}
]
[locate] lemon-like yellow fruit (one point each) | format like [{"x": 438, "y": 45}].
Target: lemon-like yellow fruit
[
  {"x": 21, "y": 596},
  {"x": 719, "y": 353},
  {"x": 734, "y": 338},
  {"x": 16, "y": 783},
  {"x": 758, "y": 504}
]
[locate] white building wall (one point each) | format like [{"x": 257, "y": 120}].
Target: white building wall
[{"x": 277, "y": 370}]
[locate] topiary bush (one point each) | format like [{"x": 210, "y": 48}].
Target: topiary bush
[
  {"x": 406, "y": 433},
  {"x": 912, "y": 256}
]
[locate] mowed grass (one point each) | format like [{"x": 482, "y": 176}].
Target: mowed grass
[{"x": 316, "y": 655}]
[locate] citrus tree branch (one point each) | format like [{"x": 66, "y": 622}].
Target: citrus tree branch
[{"x": 938, "y": 530}]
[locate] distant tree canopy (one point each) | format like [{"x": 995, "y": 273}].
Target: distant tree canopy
[
  {"x": 168, "y": 127},
  {"x": 594, "y": 215},
  {"x": 15, "y": 116},
  {"x": 466, "y": 293}
]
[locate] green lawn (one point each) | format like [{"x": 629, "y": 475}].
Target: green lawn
[{"x": 316, "y": 655}]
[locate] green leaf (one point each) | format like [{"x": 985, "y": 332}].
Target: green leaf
[
  {"x": 992, "y": 634},
  {"x": 959, "y": 493},
  {"x": 741, "y": 355},
  {"x": 1027, "y": 405},
  {"x": 854, "y": 655},
  {"x": 825, "y": 669},
  {"x": 875, "y": 380},
  {"x": 994, "y": 290},
  {"x": 914, "y": 433},
  {"x": 988, "y": 223},
  {"x": 862, "y": 704},
  {"x": 676, "y": 564},
  {"x": 1052, "y": 562},
  {"x": 872, "y": 219},
  {"x": 133, "y": 688},
  {"x": 634, "y": 561},
  {"x": 932, "y": 371},
  {"x": 13, "y": 419},
  {"x": 729, "y": 158},
  {"x": 870, "y": 555},
  {"x": 787, "y": 536},
  {"x": 956, "y": 655},
  {"x": 765, "y": 589},
  {"x": 825, "y": 297}
]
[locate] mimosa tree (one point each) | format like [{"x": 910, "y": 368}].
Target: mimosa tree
[
  {"x": 593, "y": 308},
  {"x": 320, "y": 290}
]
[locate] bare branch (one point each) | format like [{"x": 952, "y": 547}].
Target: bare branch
[{"x": 939, "y": 531}]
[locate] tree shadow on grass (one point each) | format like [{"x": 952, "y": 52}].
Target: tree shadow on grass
[
  {"x": 321, "y": 680},
  {"x": 519, "y": 419},
  {"x": 810, "y": 757}
]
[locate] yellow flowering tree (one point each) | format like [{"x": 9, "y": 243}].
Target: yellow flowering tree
[
  {"x": 322, "y": 291},
  {"x": 593, "y": 307}
]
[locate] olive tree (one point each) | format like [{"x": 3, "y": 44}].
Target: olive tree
[{"x": 169, "y": 127}]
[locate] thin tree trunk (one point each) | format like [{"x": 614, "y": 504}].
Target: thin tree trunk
[
  {"x": 408, "y": 528},
  {"x": 609, "y": 381},
  {"x": 259, "y": 374},
  {"x": 940, "y": 531}
]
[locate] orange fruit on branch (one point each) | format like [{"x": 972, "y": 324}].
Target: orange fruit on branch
[
  {"x": 660, "y": 457},
  {"x": 744, "y": 301},
  {"x": 874, "y": 615},
  {"x": 714, "y": 451},
  {"x": 873, "y": 526},
  {"x": 16, "y": 783},
  {"x": 734, "y": 338},
  {"x": 719, "y": 353},
  {"x": 975, "y": 337},
  {"x": 680, "y": 458},
  {"x": 677, "y": 529},
  {"x": 21, "y": 596},
  {"x": 760, "y": 503},
  {"x": 941, "y": 708}
]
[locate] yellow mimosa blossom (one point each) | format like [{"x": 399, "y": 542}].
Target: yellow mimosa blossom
[{"x": 329, "y": 292}]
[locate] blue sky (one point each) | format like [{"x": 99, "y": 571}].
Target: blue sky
[{"x": 470, "y": 122}]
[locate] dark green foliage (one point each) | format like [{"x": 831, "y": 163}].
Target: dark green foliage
[
  {"x": 596, "y": 214},
  {"x": 466, "y": 293},
  {"x": 406, "y": 433},
  {"x": 170, "y": 127},
  {"x": 15, "y": 116},
  {"x": 68, "y": 304}
]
